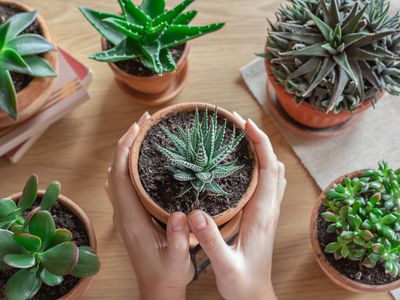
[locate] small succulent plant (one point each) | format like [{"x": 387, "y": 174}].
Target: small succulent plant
[
  {"x": 31, "y": 243},
  {"x": 20, "y": 53},
  {"x": 200, "y": 153},
  {"x": 335, "y": 54},
  {"x": 364, "y": 213},
  {"x": 146, "y": 32}
]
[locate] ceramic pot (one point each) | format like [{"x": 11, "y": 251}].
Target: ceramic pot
[
  {"x": 83, "y": 284},
  {"x": 37, "y": 92},
  {"x": 158, "y": 212},
  {"x": 307, "y": 115},
  {"x": 333, "y": 274},
  {"x": 149, "y": 85}
]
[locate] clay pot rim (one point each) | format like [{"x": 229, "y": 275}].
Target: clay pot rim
[
  {"x": 116, "y": 69},
  {"x": 51, "y": 57},
  {"x": 319, "y": 254},
  {"x": 149, "y": 203},
  {"x": 307, "y": 106},
  {"x": 83, "y": 283}
]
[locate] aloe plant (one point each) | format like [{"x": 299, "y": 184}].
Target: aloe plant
[
  {"x": 200, "y": 153},
  {"x": 20, "y": 53},
  {"x": 364, "y": 214},
  {"x": 146, "y": 32},
  {"x": 335, "y": 54},
  {"x": 31, "y": 243}
]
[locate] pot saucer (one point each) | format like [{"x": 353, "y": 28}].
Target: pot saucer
[
  {"x": 158, "y": 99},
  {"x": 286, "y": 121}
]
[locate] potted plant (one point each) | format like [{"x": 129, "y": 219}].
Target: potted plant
[
  {"x": 186, "y": 158},
  {"x": 146, "y": 46},
  {"x": 27, "y": 63},
  {"x": 355, "y": 230},
  {"x": 47, "y": 245},
  {"x": 331, "y": 60}
]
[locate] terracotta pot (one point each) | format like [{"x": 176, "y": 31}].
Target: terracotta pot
[
  {"x": 149, "y": 85},
  {"x": 83, "y": 284},
  {"x": 338, "y": 278},
  {"x": 35, "y": 95},
  {"x": 307, "y": 115},
  {"x": 158, "y": 212}
]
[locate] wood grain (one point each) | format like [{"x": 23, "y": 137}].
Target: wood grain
[{"x": 78, "y": 149}]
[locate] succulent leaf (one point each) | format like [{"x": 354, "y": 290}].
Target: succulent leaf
[
  {"x": 61, "y": 259},
  {"x": 147, "y": 32},
  {"x": 88, "y": 263},
  {"x": 42, "y": 225},
  {"x": 24, "y": 284},
  {"x": 361, "y": 38},
  {"x": 50, "y": 279},
  {"x": 201, "y": 153}
]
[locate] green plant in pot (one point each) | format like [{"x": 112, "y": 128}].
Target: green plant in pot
[
  {"x": 35, "y": 252},
  {"x": 146, "y": 46},
  {"x": 27, "y": 64},
  {"x": 194, "y": 156},
  {"x": 356, "y": 230},
  {"x": 330, "y": 60}
]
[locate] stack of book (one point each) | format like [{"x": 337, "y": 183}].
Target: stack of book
[{"x": 70, "y": 91}]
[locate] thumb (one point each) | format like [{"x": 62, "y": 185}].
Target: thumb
[
  {"x": 178, "y": 239},
  {"x": 210, "y": 239}
]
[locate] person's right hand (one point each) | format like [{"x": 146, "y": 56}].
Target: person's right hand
[{"x": 243, "y": 270}]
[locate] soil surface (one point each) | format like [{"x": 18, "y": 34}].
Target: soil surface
[
  {"x": 351, "y": 269},
  {"x": 136, "y": 68},
  {"x": 161, "y": 186},
  {"x": 63, "y": 218},
  {"x": 20, "y": 80}
]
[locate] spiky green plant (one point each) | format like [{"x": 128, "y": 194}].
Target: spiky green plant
[
  {"x": 200, "y": 153},
  {"x": 335, "y": 54},
  {"x": 364, "y": 214},
  {"x": 30, "y": 242},
  {"x": 20, "y": 53},
  {"x": 146, "y": 32}
]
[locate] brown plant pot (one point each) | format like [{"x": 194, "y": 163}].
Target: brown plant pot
[
  {"x": 37, "y": 92},
  {"x": 150, "y": 85},
  {"x": 158, "y": 212},
  {"x": 83, "y": 284},
  {"x": 333, "y": 274},
  {"x": 307, "y": 115}
]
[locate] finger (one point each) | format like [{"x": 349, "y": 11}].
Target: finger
[
  {"x": 262, "y": 203},
  {"x": 239, "y": 118},
  {"x": 143, "y": 118},
  {"x": 178, "y": 239},
  {"x": 211, "y": 241},
  {"x": 120, "y": 164},
  {"x": 281, "y": 182}
]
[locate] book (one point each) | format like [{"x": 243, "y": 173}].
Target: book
[{"x": 69, "y": 93}]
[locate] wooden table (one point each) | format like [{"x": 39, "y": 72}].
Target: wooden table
[{"x": 77, "y": 150}]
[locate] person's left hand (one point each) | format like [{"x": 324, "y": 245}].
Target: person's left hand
[{"x": 162, "y": 264}]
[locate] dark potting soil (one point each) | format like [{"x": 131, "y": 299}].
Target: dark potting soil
[
  {"x": 20, "y": 80},
  {"x": 63, "y": 218},
  {"x": 136, "y": 68},
  {"x": 161, "y": 186},
  {"x": 352, "y": 269}
]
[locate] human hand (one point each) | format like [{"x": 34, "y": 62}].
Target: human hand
[
  {"x": 162, "y": 264},
  {"x": 243, "y": 270}
]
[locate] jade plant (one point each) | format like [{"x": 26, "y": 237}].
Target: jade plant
[
  {"x": 200, "y": 154},
  {"x": 335, "y": 54},
  {"x": 364, "y": 214},
  {"x": 31, "y": 244},
  {"x": 20, "y": 53},
  {"x": 146, "y": 32}
]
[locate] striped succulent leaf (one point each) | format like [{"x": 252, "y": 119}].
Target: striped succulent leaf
[
  {"x": 146, "y": 32},
  {"x": 200, "y": 154},
  {"x": 335, "y": 54}
]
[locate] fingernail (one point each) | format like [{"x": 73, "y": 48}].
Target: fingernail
[
  {"x": 134, "y": 126},
  {"x": 250, "y": 123},
  {"x": 198, "y": 220},
  {"x": 143, "y": 118},
  {"x": 177, "y": 224}
]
